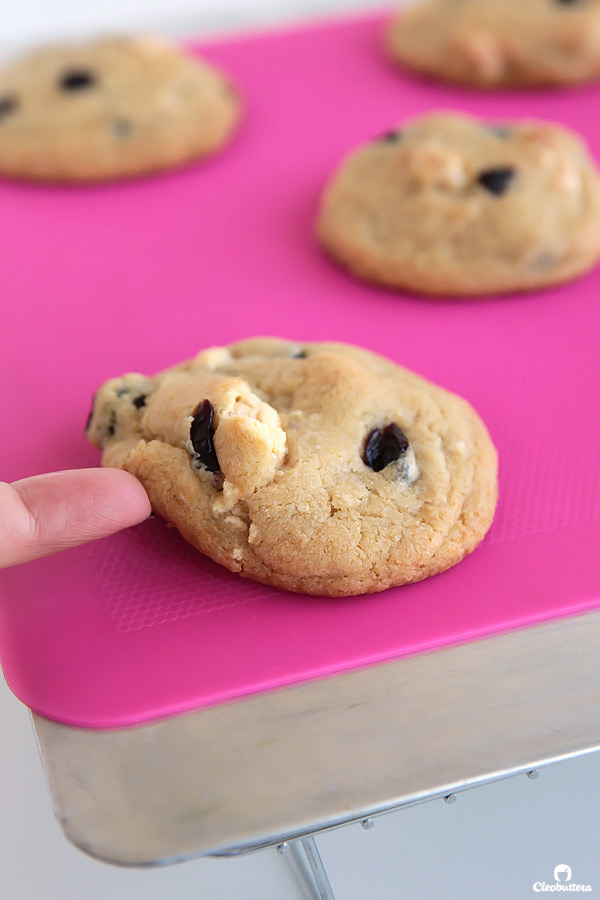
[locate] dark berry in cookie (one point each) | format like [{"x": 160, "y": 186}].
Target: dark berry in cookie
[
  {"x": 122, "y": 127},
  {"x": 201, "y": 435},
  {"x": 499, "y": 130},
  {"x": 8, "y": 104},
  {"x": 496, "y": 181},
  {"x": 77, "y": 80},
  {"x": 384, "y": 446},
  {"x": 112, "y": 424},
  {"x": 390, "y": 137}
]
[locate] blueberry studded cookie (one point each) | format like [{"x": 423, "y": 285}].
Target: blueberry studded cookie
[
  {"x": 318, "y": 468},
  {"x": 450, "y": 205},
  {"x": 486, "y": 43},
  {"x": 112, "y": 108}
]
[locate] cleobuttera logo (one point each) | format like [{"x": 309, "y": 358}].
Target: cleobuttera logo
[
  {"x": 562, "y": 882},
  {"x": 562, "y": 873}
]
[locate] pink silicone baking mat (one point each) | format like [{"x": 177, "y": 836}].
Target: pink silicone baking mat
[{"x": 136, "y": 276}]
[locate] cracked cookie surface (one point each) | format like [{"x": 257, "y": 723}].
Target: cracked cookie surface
[
  {"x": 320, "y": 468},
  {"x": 488, "y": 43},
  {"x": 111, "y": 108},
  {"x": 449, "y": 204}
]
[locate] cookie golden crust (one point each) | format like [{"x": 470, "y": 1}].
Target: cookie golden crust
[
  {"x": 490, "y": 43},
  {"x": 112, "y": 108},
  {"x": 318, "y": 468},
  {"x": 450, "y": 205}
]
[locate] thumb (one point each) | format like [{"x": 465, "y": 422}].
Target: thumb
[{"x": 48, "y": 513}]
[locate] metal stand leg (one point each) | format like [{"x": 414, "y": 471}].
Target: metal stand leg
[{"x": 308, "y": 867}]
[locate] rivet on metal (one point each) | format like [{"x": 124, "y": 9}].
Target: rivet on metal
[
  {"x": 450, "y": 798},
  {"x": 368, "y": 823},
  {"x": 533, "y": 773}
]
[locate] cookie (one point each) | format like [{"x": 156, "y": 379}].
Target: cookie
[
  {"x": 113, "y": 108},
  {"x": 452, "y": 205},
  {"x": 318, "y": 468},
  {"x": 486, "y": 43}
]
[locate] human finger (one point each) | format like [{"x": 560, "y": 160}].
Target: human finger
[{"x": 44, "y": 514}]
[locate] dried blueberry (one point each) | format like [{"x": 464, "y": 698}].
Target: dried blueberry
[
  {"x": 299, "y": 354},
  {"x": 77, "y": 80},
  {"x": 8, "y": 104},
  {"x": 122, "y": 127},
  {"x": 499, "y": 130},
  {"x": 201, "y": 435},
  {"x": 384, "y": 446},
  {"x": 140, "y": 401},
  {"x": 496, "y": 181},
  {"x": 390, "y": 137},
  {"x": 112, "y": 424}
]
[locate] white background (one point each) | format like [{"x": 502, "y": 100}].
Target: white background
[
  {"x": 26, "y": 21},
  {"x": 492, "y": 844}
]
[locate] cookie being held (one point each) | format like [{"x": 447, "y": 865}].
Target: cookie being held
[
  {"x": 451, "y": 205},
  {"x": 111, "y": 108},
  {"x": 318, "y": 468},
  {"x": 490, "y": 43}
]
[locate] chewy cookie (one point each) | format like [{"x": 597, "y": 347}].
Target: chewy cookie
[
  {"x": 451, "y": 205},
  {"x": 319, "y": 468},
  {"x": 485, "y": 43},
  {"x": 113, "y": 108}
]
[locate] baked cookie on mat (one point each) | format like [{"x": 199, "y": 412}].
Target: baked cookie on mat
[
  {"x": 489, "y": 43},
  {"x": 451, "y": 205},
  {"x": 111, "y": 108},
  {"x": 318, "y": 468}
]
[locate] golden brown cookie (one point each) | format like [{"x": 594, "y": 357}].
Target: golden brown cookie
[
  {"x": 112, "y": 108},
  {"x": 487, "y": 43},
  {"x": 452, "y": 205},
  {"x": 319, "y": 468}
]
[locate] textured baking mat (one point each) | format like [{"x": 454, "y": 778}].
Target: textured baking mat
[{"x": 137, "y": 276}]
